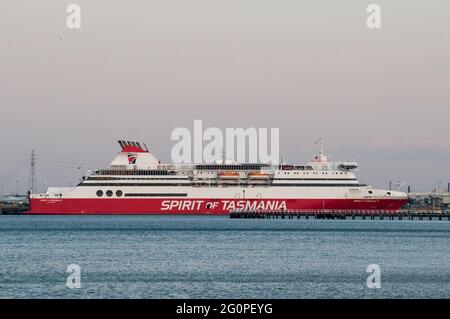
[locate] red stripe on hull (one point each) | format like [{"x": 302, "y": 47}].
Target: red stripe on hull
[{"x": 201, "y": 206}]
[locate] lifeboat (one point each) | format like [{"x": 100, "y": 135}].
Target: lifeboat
[
  {"x": 258, "y": 175},
  {"x": 229, "y": 175}
]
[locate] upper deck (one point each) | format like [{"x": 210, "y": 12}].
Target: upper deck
[{"x": 135, "y": 162}]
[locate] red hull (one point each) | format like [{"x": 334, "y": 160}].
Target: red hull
[{"x": 201, "y": 206}]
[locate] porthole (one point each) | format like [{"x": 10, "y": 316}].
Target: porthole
[
  {"x": 109, "y": 193},
  {"x": 119, "y": 193},
  {"x": 99, "y": 193}
]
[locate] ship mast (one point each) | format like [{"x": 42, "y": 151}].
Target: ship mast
[{"x": 321, "y": 145}]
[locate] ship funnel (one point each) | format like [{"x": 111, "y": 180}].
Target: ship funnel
[
  {"x": 134, "y": 155},
  {"x": 132, "y": 147}
]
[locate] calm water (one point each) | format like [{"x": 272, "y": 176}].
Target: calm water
[{"x": 218, "y": 257}]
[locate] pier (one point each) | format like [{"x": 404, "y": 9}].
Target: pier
[
  {"x": 342, "y": 214},
  {"x": 13, "y": 204}
]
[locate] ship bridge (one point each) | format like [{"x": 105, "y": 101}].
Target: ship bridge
[{"x": 321, "y": 163}]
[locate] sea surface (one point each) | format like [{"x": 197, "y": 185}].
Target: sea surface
[{"x": 218, "y": 257}]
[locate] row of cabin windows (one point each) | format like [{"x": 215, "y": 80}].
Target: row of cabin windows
[
  {"x": 228, "y": 167},
  {"x": 102, "y": 178},
  {"x": 315, "y": 173},
  {"x": 288, "y": 173},
  {"x": 133, "y": 172}
]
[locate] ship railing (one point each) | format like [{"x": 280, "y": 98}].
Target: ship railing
[
  {"x": 39, "y": 196},
  {"x": 317, "y": 211},
  {"x": 178, "y": 167}
]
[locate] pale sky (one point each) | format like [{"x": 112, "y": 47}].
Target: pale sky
[{"x": 138, "y": 69}]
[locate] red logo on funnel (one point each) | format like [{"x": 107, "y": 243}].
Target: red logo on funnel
[{"x": 132, "y": 158}]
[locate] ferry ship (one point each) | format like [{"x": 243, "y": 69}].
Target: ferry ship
[{"x": 137, "y": 183}]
